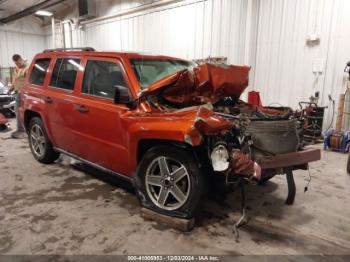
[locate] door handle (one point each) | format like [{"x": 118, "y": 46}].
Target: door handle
[
  {"x": 48, "y": 99},
  {"x": 81, "y": 108}
]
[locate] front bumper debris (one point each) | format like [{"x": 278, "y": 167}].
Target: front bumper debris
[
  {"x": 287, "y": 163},
  {"x": 294, "y": 159}
]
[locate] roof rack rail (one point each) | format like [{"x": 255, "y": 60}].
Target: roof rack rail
[{"x": 69, "y": 49}]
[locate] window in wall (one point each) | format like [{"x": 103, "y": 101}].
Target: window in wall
[
  {"x": 37, "y": 76},
  {"x": 104, "y": 79},
  {"x": 65, "y": 73}
]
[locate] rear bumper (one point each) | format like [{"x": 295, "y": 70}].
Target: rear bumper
[{"x": 293, "y": 160}]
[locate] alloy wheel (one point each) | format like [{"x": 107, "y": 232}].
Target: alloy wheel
[
  {"x": 167, "y": 183},
  {"x": 38, "y": 141}
]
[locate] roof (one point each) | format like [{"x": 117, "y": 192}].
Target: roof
[{"x": 87, "y": 51}]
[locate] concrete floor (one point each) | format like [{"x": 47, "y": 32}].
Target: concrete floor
[{"x": 58, "y": 209}]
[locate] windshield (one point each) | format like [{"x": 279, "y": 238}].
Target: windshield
[{"x": 149, "y": 71}]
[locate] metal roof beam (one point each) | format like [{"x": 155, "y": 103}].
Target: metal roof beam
[{"x": 30, "y": 10}]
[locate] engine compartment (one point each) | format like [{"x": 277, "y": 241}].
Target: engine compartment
[{"x": 256, "y": 134}]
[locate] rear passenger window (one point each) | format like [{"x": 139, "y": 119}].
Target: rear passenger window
[
  {"x": 103, "y": 78},
  {"x": 37, "y": 76},
  {"x": 65, "y": 73}
]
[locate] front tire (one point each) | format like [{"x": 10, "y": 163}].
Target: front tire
[
  {"x": 169, "y": 182},
  {"x": 39, "y": 142}
]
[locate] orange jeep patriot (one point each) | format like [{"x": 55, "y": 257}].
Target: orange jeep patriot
[{"x": 176, "y": 129}]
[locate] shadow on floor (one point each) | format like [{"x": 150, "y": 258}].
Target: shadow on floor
[{"x": 260, "y": 200}]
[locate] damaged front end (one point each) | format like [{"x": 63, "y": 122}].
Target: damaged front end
[
  {"x": 258, "y": 149},
  {"x": 242, "y": 141}
]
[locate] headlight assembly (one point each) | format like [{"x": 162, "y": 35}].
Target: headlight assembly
[{"x": 220, "y": 158}]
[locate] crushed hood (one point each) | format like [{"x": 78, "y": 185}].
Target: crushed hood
[{"x": 206, "y": 83}]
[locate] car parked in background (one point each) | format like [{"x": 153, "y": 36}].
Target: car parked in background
[
  {"x": 7, "y": 101},
  {"x": 171, "y": 127}
]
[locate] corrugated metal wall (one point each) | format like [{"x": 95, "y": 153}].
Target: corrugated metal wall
[
  {"x": 24, "y": 37},
  {"x": 25, "y": 44},
  {"x": 284, "y": 63},
  {"x": 191, "y": 29}
]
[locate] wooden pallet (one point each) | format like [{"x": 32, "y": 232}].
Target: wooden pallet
[{"x": 181, "y": 224}]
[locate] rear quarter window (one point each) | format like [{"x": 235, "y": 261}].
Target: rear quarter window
[{"x": 38, "y": 73}]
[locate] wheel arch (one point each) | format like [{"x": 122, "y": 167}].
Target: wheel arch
[
  {"x": 148, "y": 144},
  {"x": 28, "y": 115},
  {"x": 198, "y": 152},
  {"x": 40, "y": 144}
]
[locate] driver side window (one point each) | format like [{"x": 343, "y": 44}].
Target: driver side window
[{"x": 104, "y": 79}]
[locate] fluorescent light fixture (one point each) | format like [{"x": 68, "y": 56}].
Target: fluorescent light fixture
[{"x": 43, "y": 13}]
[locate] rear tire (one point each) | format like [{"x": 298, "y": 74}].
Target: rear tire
[
  {"x": 169, "y": 182},
  {"x": 39, "y": 143}
]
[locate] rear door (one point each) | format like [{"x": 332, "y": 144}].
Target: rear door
[
  {"x": 102, "y": 137},
  {"x": 60, "y": 98}
]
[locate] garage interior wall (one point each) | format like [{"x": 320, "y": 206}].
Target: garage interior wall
[
  {"x": 284, "y": 63},
  {"x": 24, "y": 37},
  {"x": 269, "y": 35},
  {"x": 188, "y": 29}
]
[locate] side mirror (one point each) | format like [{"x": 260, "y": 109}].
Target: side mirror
[
  {"x": 131, "y": 104},
  {"x": 122, "y": 96}
]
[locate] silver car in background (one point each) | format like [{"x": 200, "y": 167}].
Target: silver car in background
[{"x": 7, "y": 101}]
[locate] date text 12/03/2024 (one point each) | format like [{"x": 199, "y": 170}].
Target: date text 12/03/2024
[{"x": 173, "y": 258}]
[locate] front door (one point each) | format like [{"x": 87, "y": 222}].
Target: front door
[{"x": 102, "y": 138}]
